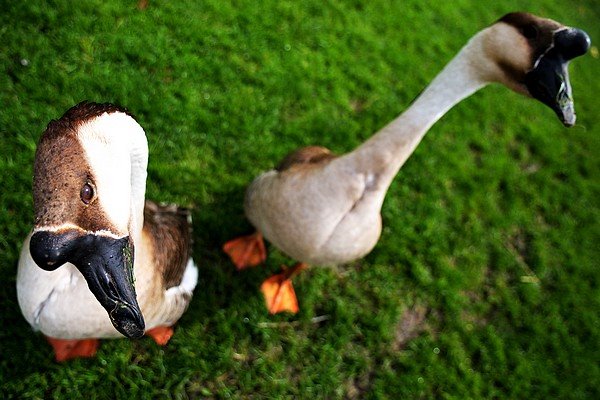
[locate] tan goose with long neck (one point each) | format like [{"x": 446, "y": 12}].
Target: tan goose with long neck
[
  {"x": 324, "y": 209},
  {"x": 101, "y": 262}
]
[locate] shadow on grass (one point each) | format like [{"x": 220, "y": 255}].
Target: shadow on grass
[{"x": 220, "y": 285}]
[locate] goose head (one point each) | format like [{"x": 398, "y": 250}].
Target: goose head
[
  {"x": 531, "y": 55},
  {"x": 88, "y": 193}
]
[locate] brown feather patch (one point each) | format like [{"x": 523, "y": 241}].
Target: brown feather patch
[
  {"x": 61, "y": 170},
  {"x": 306, "y": 155},
  {"x": 539, "y": 33},
  {"x": 77, "y": 115},
  {"x": 170, "y": 230}
]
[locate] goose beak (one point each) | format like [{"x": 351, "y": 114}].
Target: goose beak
[
  {"x": 549, "y": 80},
  {"x": 106, "y": 264}
]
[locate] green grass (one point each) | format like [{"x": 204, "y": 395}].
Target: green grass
[{"x": 485, "y": 282}]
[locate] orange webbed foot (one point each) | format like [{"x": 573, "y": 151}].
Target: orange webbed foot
[
  {"x": 278, "y": 290},
  {"x": 66, "y": 349},
  {"x": 246, "y": 251},
  {"x": 161, "y": 334}
]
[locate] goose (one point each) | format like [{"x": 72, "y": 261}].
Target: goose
[
  {"x": 101, "y": 261},
  {"x": 320, "y": 208}
]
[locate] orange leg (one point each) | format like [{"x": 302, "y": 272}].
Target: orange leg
[
  {"x": 246, "y": 251},
  {"x": 278, "y": 290},
  {"x": 66, "y": 349},
  {"x": 161, "y": 334}
]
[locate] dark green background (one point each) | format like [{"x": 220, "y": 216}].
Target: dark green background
[{"x": 485, "y": 281}]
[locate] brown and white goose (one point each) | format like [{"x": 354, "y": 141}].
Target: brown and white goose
[
  {"x": 100, "y": 261},
  {"x": 319, "y": 208}
]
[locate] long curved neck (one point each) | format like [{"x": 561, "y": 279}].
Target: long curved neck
[{"x": 385, "y": 152}]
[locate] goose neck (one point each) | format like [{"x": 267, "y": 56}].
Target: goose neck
[{"x": 461, "y": 77}]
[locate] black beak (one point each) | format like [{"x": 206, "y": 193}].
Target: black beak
[
  {"x": 106, "y": 264},
  {"x": 549, "y": 80}
]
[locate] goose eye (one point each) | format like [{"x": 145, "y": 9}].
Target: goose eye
[
  {"x": 530, "y": 31},
  {"x": 87, "y": 193}
]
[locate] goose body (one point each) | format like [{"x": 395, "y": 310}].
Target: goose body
[
  {"x": 339, "y": 220},
  {"x": 319, "y": 208},
  {"x": 89, "y": 189}
]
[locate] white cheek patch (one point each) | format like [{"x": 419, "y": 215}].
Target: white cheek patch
[{"x": 106, "y": 141}]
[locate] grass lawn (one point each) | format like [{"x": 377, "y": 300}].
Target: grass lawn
[{"x": 485, "y": 282}]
